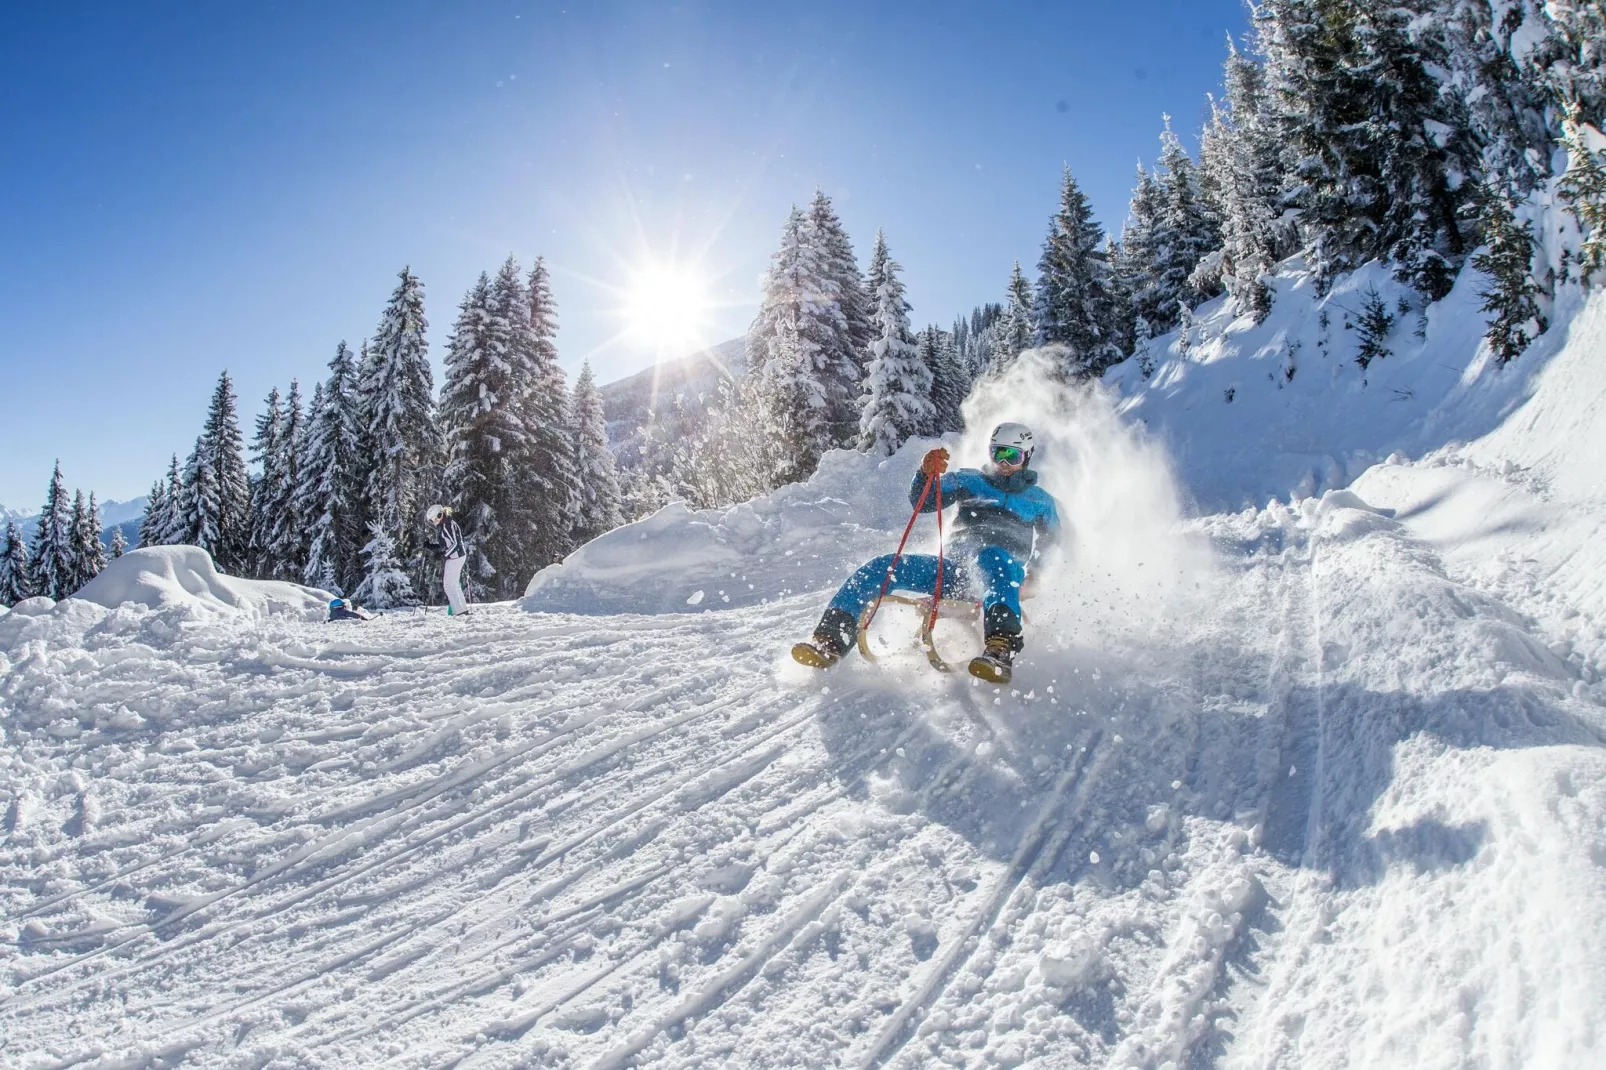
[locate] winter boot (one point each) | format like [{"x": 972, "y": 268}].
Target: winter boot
[
  {"x": 832, "y": 638},
  {"x": 995, "y": 664}
]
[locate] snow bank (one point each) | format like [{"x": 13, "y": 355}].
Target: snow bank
[
  {"x": 1282, "y": 408},
  {"x": 802, "y": 537},
  {"x": 166, "y": 577}
]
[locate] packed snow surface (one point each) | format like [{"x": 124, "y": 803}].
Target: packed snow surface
[
  {"x": 184, "y": 577},
  {"x": 1317, "y": 783}
]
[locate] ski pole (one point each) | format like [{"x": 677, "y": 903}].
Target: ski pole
[{"x": 885, "y": 583}]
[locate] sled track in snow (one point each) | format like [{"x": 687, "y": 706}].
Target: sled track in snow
[{"x": 1040, "y": 846}]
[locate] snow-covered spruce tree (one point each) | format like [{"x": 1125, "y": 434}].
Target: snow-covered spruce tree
[
  {"x": 551, "y": 490},
  {"x": 89, "y": 551},
  {"x": 949, "y": 382},
  {"x": 266, "y": 485},
  {"x": 1507, "y": 107},
  {"x": 286, "y": 533},
  {"x": 1241, "y": 168},
  {"x": 795, "y": 346},
  {"x": 1373, "y": 327},
  {"x": 119, "y": 545},
  {"x": 172, "y": 526},
  {"x": 1013, "y": 331},
  {"x": 1074, "y": 305},
  {"x": 217, "y": 496},
  {"x": 150, "y": 524},
  {"x": 727, "y": 457},
  {"x": 1584, "y": 189},
  {"x": 483, "y": 425},
  {"x": 1133, "y": 268},
  {"x": 976, "y": 356},
  {"x": 385, "y": 584},
  {"x": 1187, "y": 230},
  {"x": 16, "y": 581},
  {"x": 1507, "y": 258},
  {"x": 1380, "y": 152},
  {"x": 332, "y": 480},
  {"x": 840, "y": 267},
  {"x": 898, "y": 390},
  {"x": 400, "y": 440},
  {"x": 50, "y": 562},
  {"x": 594, "y": 462},
  {"x": 1143, "y": 346}
]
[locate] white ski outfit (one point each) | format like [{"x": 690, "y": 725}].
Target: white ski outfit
[{"x": 455, "y": 552}]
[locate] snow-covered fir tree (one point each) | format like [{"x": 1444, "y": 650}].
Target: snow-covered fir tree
[
  {"x": 285, "y": 532},
  {"x": 171, "y": 527},
  {"x": 898, "y": 402},
  {"x": 950, "y": 382},
  {"x": 385, "y": 583},
  {"x": 332, "y": 480},
  {"x": 723, "y": 459},
  {"x": 1584, "y": 189},
  {"x": 1507, "y": 108},
  {"x": 400, "y": 440},
  {"x": 550, "y": 483},
  {"x": 1133, "y": 268},
  {"x": 1241, "y": 171},
  {"x": 1379, "y": 152},
  {"x": 16, "y": 581},
  {"x": 1013, "y": 331},
  {"x": 119, "y": 545},
  {"x": 483, "y": 426},
  {"x": 267, "y": 486},
  {"x": 89, "y": 553},
  {"x": 1186, "y": 231},
  {"x": 810, "y": 381},
  {"x": 840, "y": 268},
  {"x": 595, "y": 465},
  {"x": 217, "y": 495},
  {"x": 151, "y": 523},
  {"x": 1074, "y": 306},
  {"x": 976, "y": 349},
  {"x": 50, "y": 561},
  {"x": 1507, "y": 258}
]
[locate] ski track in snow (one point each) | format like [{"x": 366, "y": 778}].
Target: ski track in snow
[{"x": 514, "y": 839}]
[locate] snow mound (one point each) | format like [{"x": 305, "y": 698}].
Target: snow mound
[
  {"x": 800, "y": 538},
  {"x": 1283, "y": 408},
  {"x": 165, "y": 577}
]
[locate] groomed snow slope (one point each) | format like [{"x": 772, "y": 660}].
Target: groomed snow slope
[{"x": 1318, "y": 784}]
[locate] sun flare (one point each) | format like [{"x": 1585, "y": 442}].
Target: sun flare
[{"x": 667, "y": 307}]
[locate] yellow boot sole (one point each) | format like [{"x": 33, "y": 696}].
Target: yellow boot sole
[
  {"x": 812, "y": 656},
  {"x": 991, "y": 671}
]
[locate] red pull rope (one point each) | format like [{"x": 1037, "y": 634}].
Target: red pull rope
[
  {"x": 924, "y": 492},
  {"x": 936, "y": 595}
]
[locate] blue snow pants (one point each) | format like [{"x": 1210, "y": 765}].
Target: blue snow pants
[{"x": 993, "y": 573}]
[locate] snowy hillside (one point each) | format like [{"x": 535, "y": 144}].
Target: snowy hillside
[
  {"x": 627, "y": 401},
  {"x": 1317, "y": 783}
]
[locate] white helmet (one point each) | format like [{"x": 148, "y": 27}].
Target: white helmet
[
  {"x": 434, "y": 513},
  {"x": 1011, "y": 436}
]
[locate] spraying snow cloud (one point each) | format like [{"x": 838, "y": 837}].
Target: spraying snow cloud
[{"x": 1128, "y": 564}]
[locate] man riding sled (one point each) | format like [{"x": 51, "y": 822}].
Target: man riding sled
[{"x": 1005, "y": 522}]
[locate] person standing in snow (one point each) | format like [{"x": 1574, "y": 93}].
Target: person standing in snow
[
  {"x": 1004, "y": 522},
  {"x": 455, "y": 552}
]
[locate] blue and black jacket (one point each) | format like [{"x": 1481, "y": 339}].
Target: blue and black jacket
[{"x": 1011, "y": 512}]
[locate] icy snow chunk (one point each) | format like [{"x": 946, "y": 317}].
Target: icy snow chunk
[
  {"x": 1073, "y": 963},
  {"x": 163, "y": 577},
  {"x": 695, "y": 599},
  {"x": 33, "y": 607}
]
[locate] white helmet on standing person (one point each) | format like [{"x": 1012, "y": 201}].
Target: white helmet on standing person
[
  {"x": 1011, "y": 444},
  {"x": 435, "y": 512}
]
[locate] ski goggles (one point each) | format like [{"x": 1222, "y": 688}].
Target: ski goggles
[{"x": 1009, "y": 455}]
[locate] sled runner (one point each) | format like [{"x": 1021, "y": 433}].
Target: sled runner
[{"x": 929, "y": 615}]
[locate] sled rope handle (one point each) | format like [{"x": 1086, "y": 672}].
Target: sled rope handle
[{"x": 924, "y": 492}]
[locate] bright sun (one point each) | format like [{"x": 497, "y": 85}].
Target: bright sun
[{"x": 667, "y": 307}]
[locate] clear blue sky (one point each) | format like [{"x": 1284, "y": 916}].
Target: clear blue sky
[{"x": 187, "y": 186}]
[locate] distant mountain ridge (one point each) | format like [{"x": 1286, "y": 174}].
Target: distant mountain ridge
[{"x": 626, "y": 402}]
